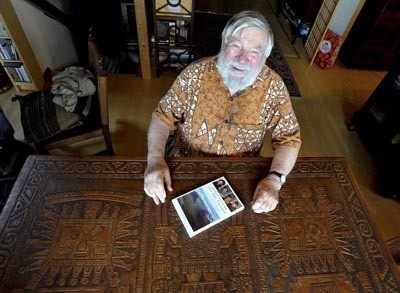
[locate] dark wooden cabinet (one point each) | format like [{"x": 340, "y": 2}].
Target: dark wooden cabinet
[
  {"x": 378, "y": 126},
  {"x": 374, "y": 40},
  {"x": 305, "y": 10},
  {"x": 299, "y": 16}
]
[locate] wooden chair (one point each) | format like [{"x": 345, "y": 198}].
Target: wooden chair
[{"x": 96, "y": 124}]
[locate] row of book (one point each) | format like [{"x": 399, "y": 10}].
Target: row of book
[
  {"x": 7, "y": 50},
  {"x": 17, "y": 71}
]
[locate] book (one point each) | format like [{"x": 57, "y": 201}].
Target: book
[
  {"x": 18, "y": 71},
  {"x": 207, "y": 205},
  {"x": 23, "y": 73},
  {"x": 7, "y": 50}
]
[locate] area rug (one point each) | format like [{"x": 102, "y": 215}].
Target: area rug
[
  {"x": 207, "y": 31},
  {"x": 277, "y": 62}
]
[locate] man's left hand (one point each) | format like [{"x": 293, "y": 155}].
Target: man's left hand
[{"x": 266, "y": 196}]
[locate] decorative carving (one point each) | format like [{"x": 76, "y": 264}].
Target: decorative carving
[
  {"x": 394, "y": 248},
  {"x": 81, "y": 242},
  {"x": 78, "y": 224}
]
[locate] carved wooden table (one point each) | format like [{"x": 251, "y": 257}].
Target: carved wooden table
[{"x": 83, "y": 224}]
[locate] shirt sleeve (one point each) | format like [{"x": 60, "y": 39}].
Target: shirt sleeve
[
  {"x": 171, "y": 108},
  {"x": 284, "y": 127}
]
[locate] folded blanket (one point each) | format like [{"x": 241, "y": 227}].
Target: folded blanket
[{"x": 70, "y": 84}]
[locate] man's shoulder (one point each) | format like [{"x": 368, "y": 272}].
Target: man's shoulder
[
  {"x": 268, "y": 72},
  {"x": 199, "y": 66},
  {"x": 202, "y": 62}
]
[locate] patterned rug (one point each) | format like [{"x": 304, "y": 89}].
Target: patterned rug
[
  {"x": 207, "y": 31},
  {"x": 277, "y": 62}
]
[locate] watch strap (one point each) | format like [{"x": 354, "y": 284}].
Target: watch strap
[
  {"x": 275, "y": 179},
  {"x": 279, "y": 177},
  {"x": 276, "y": 173}
]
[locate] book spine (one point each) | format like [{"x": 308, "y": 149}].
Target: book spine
[
  {"x": 20, "y": 77},
  {"x": 14, "y": 74},
  {"x": 18, "y": 71},
  {"x": 12, "y": 64},
  {"x": 24, "y": 74},
  {"x": 8, "y": 51},
  {"x": 4, "y": 49},
  {"x": 13, "y": 51}
]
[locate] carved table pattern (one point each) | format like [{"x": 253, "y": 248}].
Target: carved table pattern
[{"x": 83, "y": 224}]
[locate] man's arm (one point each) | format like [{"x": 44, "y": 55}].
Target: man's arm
[
  {"x": 266, "y": 196},
  {"x": 284, "y": 159},
  {"x": 157, "y": 172}
]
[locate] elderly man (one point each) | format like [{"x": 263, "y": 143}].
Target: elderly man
[{"x": 222, "y": 106}]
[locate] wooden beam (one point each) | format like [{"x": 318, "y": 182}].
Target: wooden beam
[{"x": 143, "y": 39}]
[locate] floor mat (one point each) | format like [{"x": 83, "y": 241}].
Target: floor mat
[{"x": 277, "y": 62}]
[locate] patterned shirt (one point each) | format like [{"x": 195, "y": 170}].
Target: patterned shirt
[{"x": 210, "y": 121}]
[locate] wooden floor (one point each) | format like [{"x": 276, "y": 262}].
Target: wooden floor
[{"x": 329, "y": 98}]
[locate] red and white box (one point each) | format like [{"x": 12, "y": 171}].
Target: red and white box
[{"x": 328, "y": 50}]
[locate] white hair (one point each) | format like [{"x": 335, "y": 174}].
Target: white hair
[{"x": 248, "y": 20}]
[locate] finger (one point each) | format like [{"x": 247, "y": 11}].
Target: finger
[
  {"x": 258, "y": 208},
  {"x": 155, "y": 199},
  {"x": 256, "y": 197},
  {"x": 152, "y": 195},
  {"x": 257, "y": 205},
  {"x": 147, "y": 191},
  {"x": 262, "y": 209},
  {"x": 268, "y": 207},
  {"x": 262, "y": 206},
  {"x": 168, "y": 181},
  {"x": 160, "y": 193}
]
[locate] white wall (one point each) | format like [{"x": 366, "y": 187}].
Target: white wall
[
  {"x": 51, "y": 42},
  {"x": 343, "y": 14}
]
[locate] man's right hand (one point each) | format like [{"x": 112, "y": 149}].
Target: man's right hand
[{"x": 156, "y": 175}]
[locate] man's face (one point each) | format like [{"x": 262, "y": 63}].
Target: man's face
[{"x": 243, "y": 58}]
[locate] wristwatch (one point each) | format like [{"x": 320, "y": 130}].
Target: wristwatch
[{"x": 281, "y": 178}]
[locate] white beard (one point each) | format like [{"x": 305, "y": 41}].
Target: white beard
[{"x": 235, "y": 84}]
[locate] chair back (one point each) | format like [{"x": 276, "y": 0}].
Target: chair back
[
  {"x": 95, "y": 62},
  {"x": 91, "y": 127}
]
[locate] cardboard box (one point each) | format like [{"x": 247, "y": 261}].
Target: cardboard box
[{"x": 328, "y": 50}]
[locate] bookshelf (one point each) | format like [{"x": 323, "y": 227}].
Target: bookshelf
[
  {"x": 173, "y": 28},
  {"x": 16, "y": 55}
]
